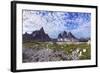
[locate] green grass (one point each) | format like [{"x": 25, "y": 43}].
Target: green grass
[{"x": 67, "y": 48}]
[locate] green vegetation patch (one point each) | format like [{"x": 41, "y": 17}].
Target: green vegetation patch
[{"x": 84, "y": 48}]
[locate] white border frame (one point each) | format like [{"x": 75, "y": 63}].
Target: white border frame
[{"x": 21, "y": 66}]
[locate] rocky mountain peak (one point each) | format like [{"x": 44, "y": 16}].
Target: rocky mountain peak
[
  {"x": 41, "y": 29},
  {"x": 39, "y": 35},
  {"x": 66, "y": 36},
  {"x": 70, "y": 35}
]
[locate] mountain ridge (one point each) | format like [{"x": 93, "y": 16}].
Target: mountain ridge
[{"x": 40, "y": 35}]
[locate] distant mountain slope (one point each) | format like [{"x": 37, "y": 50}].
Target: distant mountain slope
[
  {"x": 40, "y": 35},
  {"x": 67, "y": 36}
]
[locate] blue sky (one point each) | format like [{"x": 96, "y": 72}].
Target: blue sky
[{"x": 55, "y": 22}]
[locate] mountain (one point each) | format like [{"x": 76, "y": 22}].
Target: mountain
[
  {"x": 67, "y": 36},
  {"x": 38, "y": 35},
  {"x": 26, "y": 37},
  {"x": 84, "y": 39}
]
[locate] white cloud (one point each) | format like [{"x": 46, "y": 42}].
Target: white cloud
[{"x": 52, "y": 22}]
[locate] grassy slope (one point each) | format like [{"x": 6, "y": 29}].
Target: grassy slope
[{"x": 68, "y": 48}]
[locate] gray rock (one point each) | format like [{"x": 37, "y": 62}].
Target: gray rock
[{"x": 45, "y": 55}]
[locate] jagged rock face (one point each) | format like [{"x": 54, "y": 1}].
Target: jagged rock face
[
  {"x": 66, "y": 36},
  {"x": 38, "y": 35},
  {"x": 27, "y": 37},
  {"x": 70, "y": 35},
  {"x": 62, "y": 35}
]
